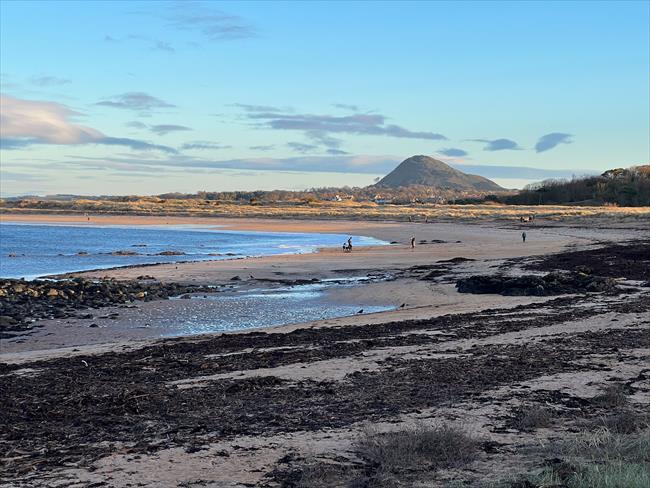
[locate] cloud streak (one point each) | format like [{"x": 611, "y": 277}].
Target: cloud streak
[
  {"x": 498, "y": 144},
  {"x": 136, "y": 101},
  {"x": 156, "y": 45},
  {"x": 213, "y": 25},
  {"x": 549, "y": 141},
  {"x": 319, "y": 129},
  {"x": 453, "y": 152},
  {"x": 49, "y": 81},
  {"x": 164, "y": 129},
  {"x": 357, "y": 124},
  {"x": 361, "y": 164},
  {"x": 202, "y": 145},
  {"x": 134, "y": 144},
  {"x": 346, "y": 106},
  {"x": 259, "y": 108},
  {"x": 301, "y": 147}
]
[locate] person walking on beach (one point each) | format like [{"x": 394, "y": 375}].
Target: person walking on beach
[
  {"x": 523, "y": 237},
  {"x": 350, "y": 243},
  {"x": 412, "y": 242}
]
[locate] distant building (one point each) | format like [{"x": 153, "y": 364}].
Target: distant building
[{"x": 380, "y": 200}]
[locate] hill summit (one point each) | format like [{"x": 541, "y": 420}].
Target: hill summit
[{"x": 424, "y": 170}]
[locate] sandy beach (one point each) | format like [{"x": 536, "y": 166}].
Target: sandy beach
[
  {"x": 486, "y": 246},
  {"x": 265, "y": 406}
]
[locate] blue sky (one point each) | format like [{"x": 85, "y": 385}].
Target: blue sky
[{"x": 150, "y": 97}]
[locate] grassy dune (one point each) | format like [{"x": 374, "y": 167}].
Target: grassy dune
[{"x": 323, "y": 210}]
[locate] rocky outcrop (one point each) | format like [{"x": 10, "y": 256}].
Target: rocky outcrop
[
  {"x": 22, "y": 302},
  {"x": 533, "y": 285}
]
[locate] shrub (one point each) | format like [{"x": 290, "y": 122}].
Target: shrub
[
  {"x": 612, "y": 396},
  {"x": 533, "y": 417},
  {"x": 440, "y": 446}
]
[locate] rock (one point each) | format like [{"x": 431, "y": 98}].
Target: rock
[
  {"x": 124, "y": 253},
  {"x": 235, "y": 278},
  {"x": 5, "y": 320},
  {"x": 456, "y": 260},
  {"x": 533, "y": 285},
  {"x": 43, "y": 299},
  {"x": 170, "y": 253}
]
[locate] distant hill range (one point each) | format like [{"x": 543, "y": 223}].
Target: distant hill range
[{"x": 426, "y": 171}]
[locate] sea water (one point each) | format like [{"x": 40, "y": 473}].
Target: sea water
[{"x": 35, "y": 250}]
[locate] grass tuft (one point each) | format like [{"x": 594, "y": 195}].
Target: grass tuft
[
  {"x": 612, "y": 397},
  {"x": 440, "y": 446},
  {"x": 623, "y": 422},
  {"x": 531, "y": 418}
]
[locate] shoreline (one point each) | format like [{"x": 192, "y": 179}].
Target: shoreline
[
  {"x": 242, "y": 226},
  {"x": 483, "y": 248},
  {"x": 251, "y": 224}
]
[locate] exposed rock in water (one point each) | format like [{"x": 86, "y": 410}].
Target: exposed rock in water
[
  {"x": 23, "y": 302},
  {"x": 170, "y": 253},
  {"x": 123, "y": 253},
  {"x": 532, "y": 285}
]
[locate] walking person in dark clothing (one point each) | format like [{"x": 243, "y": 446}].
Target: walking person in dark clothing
[
  {"x": 523, "y": 237},
  {"x": 412, "y": 242}
]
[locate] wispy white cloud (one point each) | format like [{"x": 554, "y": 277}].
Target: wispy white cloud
[
  {"x": 212, "y": 24},
  {"x": 48, "y": 122},
  {"x": 31, "y": 122},
  {"x": 49, "y": 81}
]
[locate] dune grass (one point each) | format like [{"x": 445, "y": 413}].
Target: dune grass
[
  {"x": 390, "y": 459},
  {"x": 598, "y": 458},
  {"x": 325, "y": 210}
]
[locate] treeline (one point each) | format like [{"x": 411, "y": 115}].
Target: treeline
[
  {"x": 402, "y": 195},
  {"x": 624, "y": 187}
]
